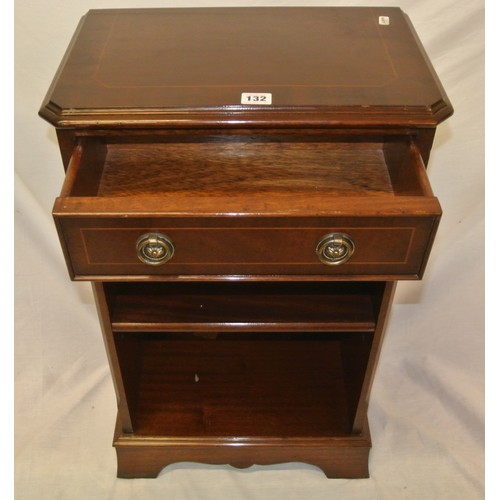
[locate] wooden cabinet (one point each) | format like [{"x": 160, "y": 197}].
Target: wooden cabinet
[{"x": 243, "y": 188}]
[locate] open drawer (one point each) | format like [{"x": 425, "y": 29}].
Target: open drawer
[{"x": 246, "y": 204}]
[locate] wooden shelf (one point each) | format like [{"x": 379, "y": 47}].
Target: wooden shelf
[{"x": 243, "y": 306}]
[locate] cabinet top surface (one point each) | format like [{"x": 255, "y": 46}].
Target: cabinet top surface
[{"x": 190, "y": 67}]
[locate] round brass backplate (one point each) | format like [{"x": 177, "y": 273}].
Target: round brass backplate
[
  {"x": 335, "y": 248},
  {"x": 154, "y": 249}
]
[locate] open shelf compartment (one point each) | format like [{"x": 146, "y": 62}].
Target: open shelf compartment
[
  {"x": 240, "y": 306},
  {"x": 243, "y": 359},
  {"x": 243, "y": 386}
]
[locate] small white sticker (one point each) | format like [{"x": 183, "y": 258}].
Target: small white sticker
[
  {"x": 253, "y": 99},
  {"x": 384, "y": 20}
]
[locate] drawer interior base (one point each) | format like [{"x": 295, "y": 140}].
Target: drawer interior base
[{"x": 246, "y": 164}]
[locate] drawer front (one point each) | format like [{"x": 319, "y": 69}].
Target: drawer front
[{"x": 107, "y": 248}]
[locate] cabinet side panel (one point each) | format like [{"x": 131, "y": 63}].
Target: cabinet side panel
[
  {"x": 104, "y": 318},
  {"x": 383, "y": 313}
]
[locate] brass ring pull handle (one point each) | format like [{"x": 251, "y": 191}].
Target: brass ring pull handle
[
  {"x": 335, "y": 248},
  {"x": 154, "y": 249}
]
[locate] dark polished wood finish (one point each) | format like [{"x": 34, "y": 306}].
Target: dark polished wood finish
[
  {"x": 222, "y": 307},
  {"x": 188, "y": 67},
  {"x": 243, "y": 346},
  {"x": 292, "y": 188}
]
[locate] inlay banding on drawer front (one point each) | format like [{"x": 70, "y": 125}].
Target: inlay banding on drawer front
[{"x": 262, "y": 246}]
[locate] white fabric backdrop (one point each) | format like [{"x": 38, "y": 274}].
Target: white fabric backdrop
[{"x": 426, "y": 412}]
